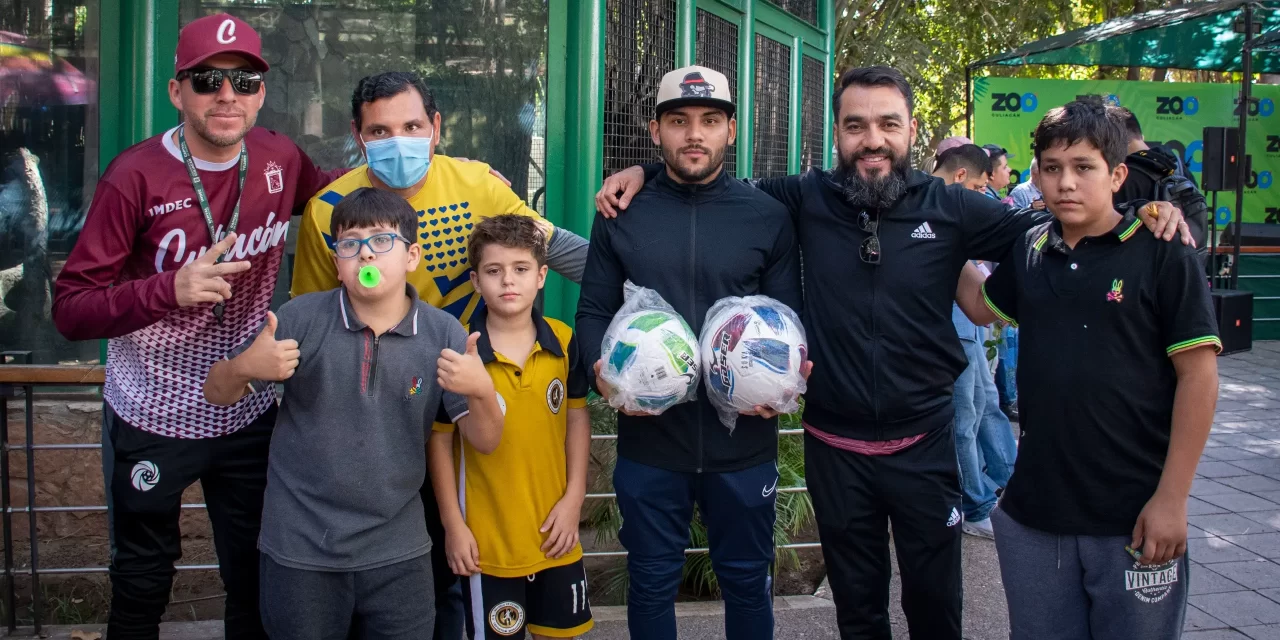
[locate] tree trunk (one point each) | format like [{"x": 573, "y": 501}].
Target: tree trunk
[
  {"x": 1135, "y": 73},
  {"x": 1161, "y": 74}
]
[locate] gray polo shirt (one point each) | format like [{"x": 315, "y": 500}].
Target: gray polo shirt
[{"x": 348, "y": 456}]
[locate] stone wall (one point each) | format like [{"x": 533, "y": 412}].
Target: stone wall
[{"x": 70, "y": 478}]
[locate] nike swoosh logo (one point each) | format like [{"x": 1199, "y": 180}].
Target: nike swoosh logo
[{"x": 768, "y": 491}]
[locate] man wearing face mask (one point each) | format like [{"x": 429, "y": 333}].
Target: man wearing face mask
[
  {"x": 884, "y": 246},
  {"x": 396, "y": 123}
]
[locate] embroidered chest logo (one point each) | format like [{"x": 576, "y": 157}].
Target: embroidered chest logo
[
  {"x": 555, "y": 395},
  {"x": 415, "y": 388},
  {"x": 275, "y": 178},
  {"x": 1151, "y": 584},
  {"x": 924, "y": 232},
  {"x": 1116, "y": 294}
]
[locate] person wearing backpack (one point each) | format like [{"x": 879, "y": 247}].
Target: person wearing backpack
[{"x": 1157, "y": 173}]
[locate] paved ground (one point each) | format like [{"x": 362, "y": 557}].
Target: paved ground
[
  {"x": 1235, "y": 506},
  {"x": 1235, "y": 548}
]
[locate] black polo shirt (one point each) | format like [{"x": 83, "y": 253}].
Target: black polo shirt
[{"x": 1095, "y": 382}]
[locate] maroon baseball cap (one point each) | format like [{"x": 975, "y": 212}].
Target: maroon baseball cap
[{"x": 217, "y": 34}]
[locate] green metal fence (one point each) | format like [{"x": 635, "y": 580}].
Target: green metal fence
[
  {"x": 603, "y": 61},
  {"x": 779, "y": 56}
]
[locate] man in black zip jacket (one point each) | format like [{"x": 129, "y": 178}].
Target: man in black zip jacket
[
  {"x": 700, "y": 236},
  {"x": 884, "y": 247}
]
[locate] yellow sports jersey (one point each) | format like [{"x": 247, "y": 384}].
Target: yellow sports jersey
[
  {"x": 506, "y": 495},
  {"x": 454, "y": 198}
]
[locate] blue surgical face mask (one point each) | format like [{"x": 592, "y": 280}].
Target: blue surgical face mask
[{"x": 399, "y": 162}]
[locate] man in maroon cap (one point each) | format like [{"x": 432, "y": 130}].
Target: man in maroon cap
[{"x": 176, "y": 266}]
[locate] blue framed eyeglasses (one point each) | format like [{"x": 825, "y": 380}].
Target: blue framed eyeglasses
[{"x": 380, "y": 243}]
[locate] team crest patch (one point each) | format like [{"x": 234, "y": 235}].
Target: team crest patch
[
  {"x": 275, "y": 178},
  {"x": 555, "y": 395},
  {"x": 506, "y": 618},
  {"x": 1151, "y": 584}
]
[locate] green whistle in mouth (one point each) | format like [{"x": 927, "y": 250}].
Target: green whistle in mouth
[{"x": 370, "y": 276}]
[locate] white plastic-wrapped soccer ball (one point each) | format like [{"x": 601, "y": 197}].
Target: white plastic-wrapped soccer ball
[
  {"x": 752, "y": 350},
  {"x": 650, "y": 361}
]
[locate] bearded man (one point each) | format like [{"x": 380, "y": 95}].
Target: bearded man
[{"x": 879, "y": 442}]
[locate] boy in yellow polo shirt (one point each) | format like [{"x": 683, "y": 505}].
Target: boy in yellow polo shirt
[{"x": 511, "y": 517}]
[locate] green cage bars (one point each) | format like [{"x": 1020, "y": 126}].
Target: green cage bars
[
  {"x": 603, "y": 64},
  {"x": 778, "y": 55}
]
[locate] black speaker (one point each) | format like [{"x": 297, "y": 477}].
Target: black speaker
[
  {"x": 1221, "y": 159},
  {"x": 1234, "y": 310}
]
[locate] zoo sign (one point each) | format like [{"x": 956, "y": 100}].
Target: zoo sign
[{"x": 1007, "y": 110}]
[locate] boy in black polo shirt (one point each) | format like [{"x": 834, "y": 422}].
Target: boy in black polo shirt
[
  {"x": 366, "y": 367},
  {"x": 1117, "y": 383},
  {"x": 511, "y": 516}
]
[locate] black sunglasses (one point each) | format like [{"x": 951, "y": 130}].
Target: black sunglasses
[
  {"x": 245, "y": 82},
  {"x": 869, "y": 251}
]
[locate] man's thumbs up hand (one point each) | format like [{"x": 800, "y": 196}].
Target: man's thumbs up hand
[{"x": 464, "y": 373}]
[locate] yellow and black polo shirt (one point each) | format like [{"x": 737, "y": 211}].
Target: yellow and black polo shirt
[
  {"x": 507, "y": 495},
  {"x": 1098, "y": 325}
]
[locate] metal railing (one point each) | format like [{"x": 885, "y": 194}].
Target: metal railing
[
  {"x": 17, "y": 374},
  {"x": 1262, "y": 252}
]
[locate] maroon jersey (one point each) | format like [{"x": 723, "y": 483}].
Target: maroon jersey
[{"x": 144, "y": 224}]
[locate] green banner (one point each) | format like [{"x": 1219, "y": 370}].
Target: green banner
[{"x": 1007, "y": 110}]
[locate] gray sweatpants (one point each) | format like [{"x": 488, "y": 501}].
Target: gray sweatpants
[
  {"x": 388, "y": 603},
  {"x": 1085, "y": 587}
]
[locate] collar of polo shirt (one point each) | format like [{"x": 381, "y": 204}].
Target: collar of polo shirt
[
  {"x": 1052, "y": 238},
  {"x": 545, "y": 337},
  {"x": 408, "y": 325}
]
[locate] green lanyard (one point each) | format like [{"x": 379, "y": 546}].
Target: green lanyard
[{"x": 196, "y": 184}]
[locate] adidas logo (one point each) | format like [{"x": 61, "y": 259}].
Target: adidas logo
[
  {"x": 955, "y": 514},
  {"x": 924, "y": 232}
]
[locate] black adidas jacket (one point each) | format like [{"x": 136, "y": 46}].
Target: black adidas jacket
[
  {"x": 693, "y": 244},
  {"x": 885, "y": 352}
]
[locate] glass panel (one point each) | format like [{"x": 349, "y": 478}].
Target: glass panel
[
  {"x": 773, "y": 108},
  {"x": 48, "y": 163},
  {"x": 718, "y": 49},
  {"x": 639, "y": 48},
  {"x": 485, "y": 62}
]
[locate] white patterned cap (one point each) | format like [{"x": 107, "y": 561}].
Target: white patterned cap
[{"x": 694, "y": 85}]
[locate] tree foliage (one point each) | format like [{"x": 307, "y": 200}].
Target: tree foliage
[{"x": 931, "y": 42}]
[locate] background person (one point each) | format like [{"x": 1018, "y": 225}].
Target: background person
[{"x": 985, "y": 446}]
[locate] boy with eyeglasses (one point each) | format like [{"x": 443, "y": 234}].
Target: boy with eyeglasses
[{"x": 366, "y": 369}]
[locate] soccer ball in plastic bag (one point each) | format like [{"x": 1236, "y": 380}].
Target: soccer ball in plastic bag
[
  {"x": 650, "y": 361},
  {"x": 752, "y": 350}
]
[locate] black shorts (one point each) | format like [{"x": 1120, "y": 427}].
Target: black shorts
[{"x": 552, "y": 602}]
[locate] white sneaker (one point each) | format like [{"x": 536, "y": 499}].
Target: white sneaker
[{"x": 979, "y": 528}]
